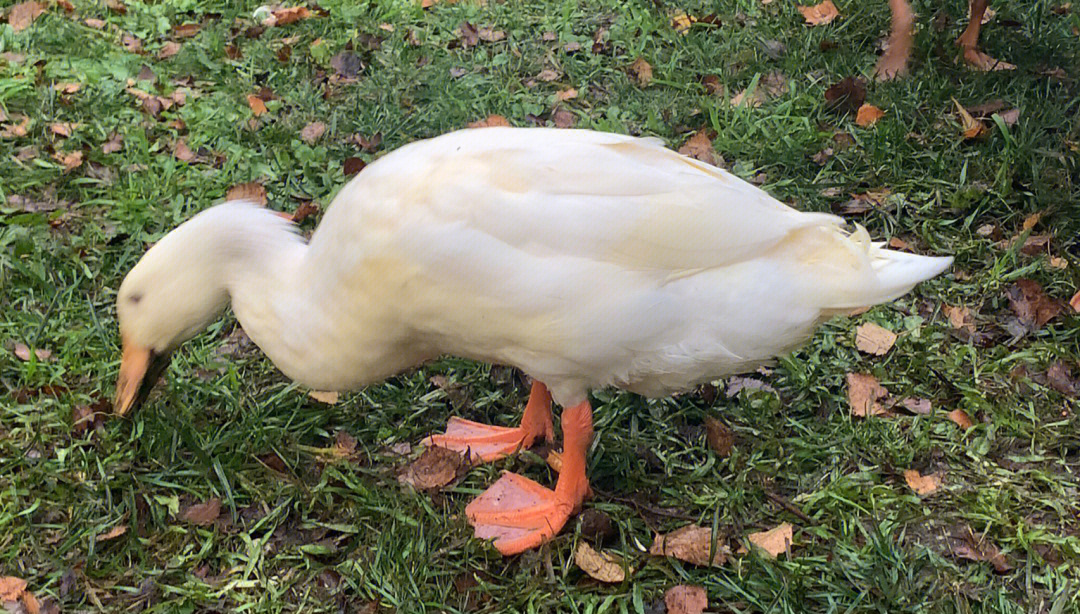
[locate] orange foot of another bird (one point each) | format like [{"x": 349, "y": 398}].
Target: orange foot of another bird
[
  {"x": 489, "y": 443},
  {"x": 519, "y": 514}
]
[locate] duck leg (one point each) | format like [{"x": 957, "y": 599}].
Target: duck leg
[
  {"x": 520, "y": 514},
  {"x": 969, "y": 41},
  {"x": 893, "y": 63},
  {"x": 488, "y": 442}
]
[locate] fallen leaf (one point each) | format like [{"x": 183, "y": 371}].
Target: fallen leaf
[
  {"x": 70, "y": 160},
  {"x": 285, "y": 16},
  {"x": 96, "y": 24},
  {"x": 64, "y": 129},
  {"x": 490, "y": 36},
  {"x": 737, "y": 384},
  {"x": 899, "y": 244},
  {"x": 67, "y": 88},
  {"x": 252, "y": 191},
  {"x": 352, "y": 165},
  {"x": 11, "y": 588},
  {"x": 868, "y": 115},
  {"x": 700, "y": 147},
  {"x": 971, "y": 127},
  {"x": 1010, "y": 117},
  {"x": 719, "y": 436},
  {"x": 344, "y": 445},
  {"x": 598, "y": 565},
  {"x": 312, "y": 132},
  {"x": 754, "y": 101},
  {"x": 846, "y": 95},
  {"x": 328, "y": 397},
  {"x": 186, "y": 30},
  {"x": 202, "y": 514},
  {"x": 873, "y": 339},
  {"x": 182, "y": 152},
  {"x": 863, "y": 392},
  {"x": 23, "y": 14},
  {"x": 1031, "y": 305},
  {"x": 713, "y": 85},
  {"x": 304, "y": 211},
  {"x": 774, "y": 84},
  {"x": 959, "y": 317},
  {"x": 112, "y": 533},
  {"x": 961, "y": 419},
  {"x": 681, "y": 22},
  {"x": 547, "y": 75},
  {"x": 973, "y": 548},
  {"x": 130, "y": 42},
  {"x": 86, "y": 417},
  {"x": 1059, "y": 377},
  {"x": 917, "y": 405},
  {"x": 819, "y": 14},
  {"x": 567, "y": 94},
  {"x": 258, "y": 107},
  {"x": 347, "y": 64},
  {"x": 1057, "y": 262},
  {"x": 1031, "y": 221},
  {"x": 691, "y": 544},
  {"x": 489, "y": 121},
  {"x": 11, "y": 131},
  {"x": 117, "y": 7},
  {"x": 1074, "y": 302},
  {"x": 642, "y": 71},
  {"x": 922, "y": 484},
  {"x": 169, "y": 49},
  {"x": 774, "y": 541},
  {"x": 365, "y": 143},
  {"x": 233, "y": 52},
  {"x": 686, "y": 599},
  {"x": 554, "y": 460},
  {"x": 468, "y": 35},
  {"x": 22, "y": 352},
  {"x": 435, "y": 468},
  {"x": 563, "y": 118}
]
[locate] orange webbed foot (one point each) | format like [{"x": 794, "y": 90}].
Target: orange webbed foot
[{"x": 487, "y": 443}]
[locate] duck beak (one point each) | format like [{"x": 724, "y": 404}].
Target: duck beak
[{"x": 140, "y": 368}]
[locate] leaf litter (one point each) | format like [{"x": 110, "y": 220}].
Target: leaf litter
[
  {"x": 601, "y": 566},
  {"x": 773, "y": 542},
  {"x": 434, "y": 469},
  {"x": 686, "y": 599},
  {"x": 691, "y": 544},
  {"x": 873, "y": 339}
]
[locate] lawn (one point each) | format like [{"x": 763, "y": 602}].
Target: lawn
[{"x": 121, "y": 120}]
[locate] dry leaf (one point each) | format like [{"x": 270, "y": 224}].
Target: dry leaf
[
  {"x": 973, "y": 548},
  {"x": 312, "y": 132},
  {"x": 567, "y": 94},
  {"x": 11, "y": 588},
  {"x": 759, "y": 98},
  {"x": 1010, "y": 117},
  {"x": 329, "y": 397},
  {"x": 96, "y": 24},
  {"x": 22, "y": 352},
  {"x": 774, "y": 541},
  {"x": 202, "y": 514},
  {"x": 691, "y": 544},
  {"x": 347, "y": 64},
  {"x": 686, "y": 599},
  {"x": 258, "y": 107},
  {"x": 819, "y": 14},
  {"x": 352, "y": 165},
  {"x": 719, "y": 436},
  {"x": 873, "y": 339},
  {"x": 11, "y": 131},
  {"x": 252, "y": 191},
  {"x": 1031, "y": 305},
  {"x": 70, "y": 160},
  {"x": 846, "y": 96},
  {"x": 959, "y": 317},
  {"x": 1059, "y": 377},
  {"x": 186, "y": 30},
  {"x": 864, "y": 391},
  {"x": 286, "y": 16},
  {"x": 489, "y": 121},
  {"x": 491, "y": 36},
  {"x": 67, "y": 88},
  {"x": 183, "y": 152},
  {"x": 435, "y": 468},
  {"x": 972, "y": 127},
  {"x": 563, "y": 118},
  {"x": 961, "y": 419},
  {"x": 23, "y": 14},
  {"x": 304, "y": 211},
  {"x": 344, "y": 445},
  {"x": 681, "y": 22},
  {"x": 868, "y": 115},
  {"x": 922, "y": 484},
  {"x": 599, "y": 565},
  {"x": 642, "y": 71},
  {"x": 112, "y": 533},
  {"x": 64, "y": 129},
  {"x": 1074, "y": 302},
  {"x": 699, "y": 147},
  {"x": 547, "y": 75},
  {"x": 554, "y": 460},
  {"x": 169, "y": 49},
  {"x": 917, "y": 405}
]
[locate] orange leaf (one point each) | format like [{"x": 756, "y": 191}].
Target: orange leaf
[
  {"x": 819, "y": 14},
  {"x": 289, "y": 15},
  {"x": 489, "y": 121},
  {"x": 71, "y": 160},
  {"x": 112, "y": 533},
  {"x": 1074, "y": 302},
  {"x": 567, "y": 94},
  {"x": 719, "y": 436},
  {"x": 252, "y": 191},
  {"x": 873, "y": 339},
  {"x": 971, "y": 126},
  {"x": 11, "y": 588},
  {"x": 922, "y": 484},
  {"x": 863, "y": 394},
  {"x": 774, "y": 541},
  {"x": 258, "y": 107},
  {"x": 961, "y": 419},
  {"x": 327, "y": 397},
  {"x": 868, "y": 115},
  {"x": 23, "y": 14}
]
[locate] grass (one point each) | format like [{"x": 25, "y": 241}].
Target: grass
[{"x": 344, "y": 536}]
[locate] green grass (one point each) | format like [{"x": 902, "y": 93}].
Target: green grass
[{"x": 338, "y": 536}]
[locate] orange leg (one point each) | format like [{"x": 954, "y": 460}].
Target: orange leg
[
  {"x": 969, "y": 41},
  {"x": 520, "y": 514},
  {"x": 489, "y": 443},
  {"x": 893, "y": 62}
]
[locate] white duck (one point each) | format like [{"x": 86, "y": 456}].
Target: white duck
[{"x": 584, "y": 258}]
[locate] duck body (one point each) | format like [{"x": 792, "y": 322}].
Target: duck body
[{"x": 586, "y": 259}]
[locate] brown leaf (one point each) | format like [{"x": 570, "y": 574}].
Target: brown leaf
[
  {"x": 169, "y": 49},
  {"x": 23, "y": 14},
  {"x": 66, "y": 5},
  {"x": 328, "y": 397},
  {"x": 961, "y": 419},
  {"x": 691, "y": 544},
  {"x": 352, "y": 165},
  {"x": 774, "y": 84},
  {"x": 130, "y": 42},
  {"x": 819, "y": 14},
  {"x": 312, "y": 132},
  {"x": 182, "y": 152},
  {"x": 258, "y": 107},
  {"x": 917, "y": 405},
  {"x": 547, "y": 75},
  {"x": 719, "y": 436},
  {"x": 112, "y": 533},
  {"x": 491, "y": 36},
  {"x": 699, "y": 147},
  {"x": 1074, "y": 302},
  {"x": 202, "y": 514},
  {"x": 563, "y": 118},
  {"x": 973, "y": 548},
  {"x": 971, "y": 127},
  {"x": 642, "y": 71},
  {"x": 365, "y": 143},
  {"x": 922, "y": 484},
  {"x": 846, "y": 96},
  {"x": 67, "y": 88},
  {"x": 86, "y": 417},
  {"x": 11, "y": 588},
  {"x": 489, "y": 121},
  {"x": 598, "y": 565},
  {"x": 186, "y": 30},
  {"x": 344, "y": 445},
  {"x": 22, "y": 352},
  {"x": 304, "y": 211},
  {"x": 567, "y": 94},
  {"x": 1010, "y": 117},
  {"x": 468, "y": 35},
  {"x": 347, "y": 64},
  {"x": 756, "y": 100},
  {"x": 252, "y": 191},
  {"x": 96, "y": 24},
  {"x": 959, "y": 317},
  {"x": 863, "y": 392},
  {"x": 11, "y": 131},
  {"x": 116, "y": 6},
  {"x": 873, "y": 339},
  {"x": 774, "y": 541},
  {"x": 1059, "y": 377},
  {"x": 233, "y": 52},
  {"x": 713, "y": 85},
  {"x": 70, "y": 160},
  {"x": 282, "y": 17},
  {"x": 686, "y": 599},
  {"x": 64, "y": 129},
  {"x": 435, "y": 468},
  {"x": 1031, "y": 305},
  {"x": 868, "y": 115}
]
